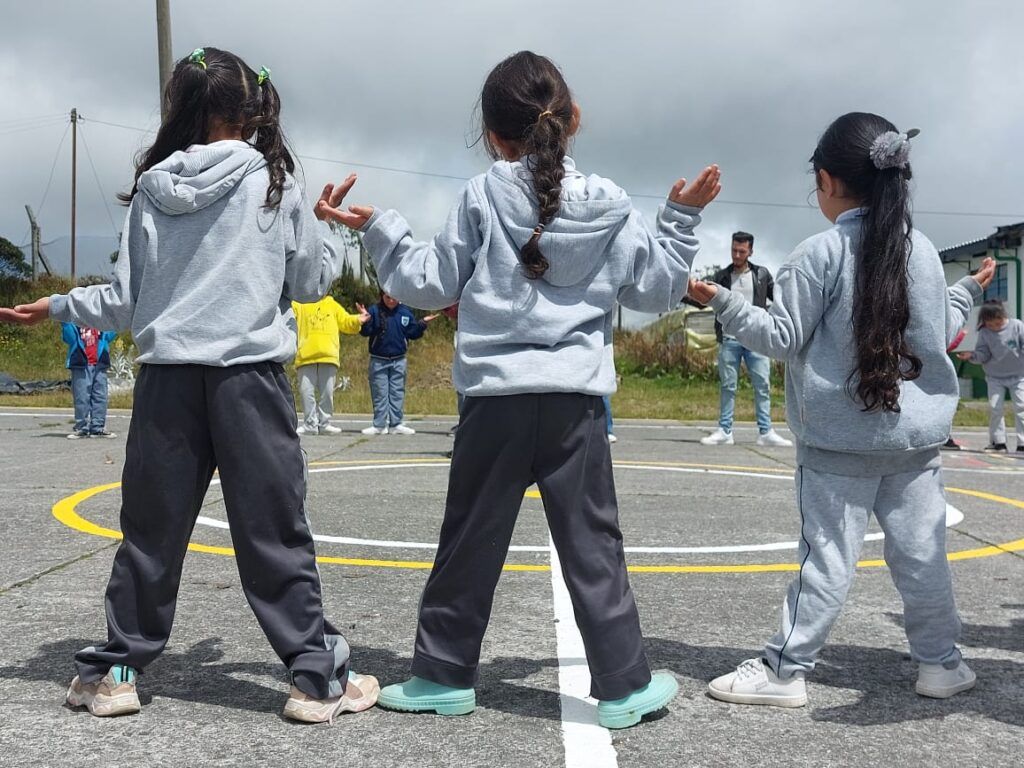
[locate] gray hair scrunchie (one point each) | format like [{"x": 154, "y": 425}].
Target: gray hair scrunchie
[{"x": 892, "y": 149}]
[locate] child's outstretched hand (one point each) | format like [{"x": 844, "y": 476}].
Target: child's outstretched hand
[
  {"x": 428, "y": 318},
  {"x": 27, "y": 314},
  {"x": 701, "y": 292},
  {"x": 333, "y": 196},
  {"x": 362, "y": 314},
  {"x": 700, "y": 192},
  {"x": 986, "y": 273}
]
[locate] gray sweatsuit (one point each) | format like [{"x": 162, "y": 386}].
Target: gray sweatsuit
[
  {"x": 1001, "y": 354},
  {"x": 853, "y": 463}
]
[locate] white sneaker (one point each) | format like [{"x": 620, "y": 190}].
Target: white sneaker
[
  {"x": 718, "y": 437},
  {"x": 937, "y": 682},
  {"x": 330, "y": 429},
  {"x": 753, "y": 682},
  {"x": 77, "y": 435},
  {"x": 771, "y": 437},
  {"x": 401, "y": 429},
  {"x": 612, "y": 438},
  {"x": 304, "y": 430},
  {"x": 375, "y": 431}
]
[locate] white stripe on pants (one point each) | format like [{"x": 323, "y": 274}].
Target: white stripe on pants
[
  {"x": 834, "y": 513},
  {"x": 313, "y": 379}
]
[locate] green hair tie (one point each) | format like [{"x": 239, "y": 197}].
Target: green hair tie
[
  {"x": 198, "y": 56},
  {"x": 264, "y": 76}
]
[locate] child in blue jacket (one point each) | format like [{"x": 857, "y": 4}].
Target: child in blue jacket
[
  {"x": 391, "y": 326},
  {"x": 88, "y": 360}
]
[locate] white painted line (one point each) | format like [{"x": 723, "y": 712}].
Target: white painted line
[
  {"x": 587, "y": 744},
  {"x": 953, "y": 517}
]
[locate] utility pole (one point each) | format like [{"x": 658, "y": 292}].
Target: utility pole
[
  {"x": 74, "y": 184},
  {"x": 37, "y": 249},
  {"x": 163, "y": 46}
]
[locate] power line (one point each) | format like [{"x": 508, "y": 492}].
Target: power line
[
  {"x": 12, "y": 120},
  {"x": 720, "y": 201},
  {"x": 96, "y": 176},
  {"x": 8, "y": 131}
]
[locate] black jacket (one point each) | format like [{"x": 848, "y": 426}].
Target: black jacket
[{"x": 764, "y": 288}]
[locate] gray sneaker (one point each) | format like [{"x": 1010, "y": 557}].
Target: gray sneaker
[
  {"x": 937, "y": 682},
  {"x": 361, "y": 692},
  {"x": 113, "y": 695}
]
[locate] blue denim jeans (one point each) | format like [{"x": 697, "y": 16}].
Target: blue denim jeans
[
  {"x": 387, "y": 390},
  {"x": 609, "y": 425},
  {"x": 730, "y": 353},
  {"x": 89, "y": 390}
]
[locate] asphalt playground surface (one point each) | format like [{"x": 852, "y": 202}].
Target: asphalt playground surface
[{"x": 716, "y": 529}]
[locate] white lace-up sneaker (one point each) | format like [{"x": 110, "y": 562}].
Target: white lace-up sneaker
[
  {"x": 753, "y": 682},
  {"x": 402, "y": 429},
  {"x": 937, "y": 682},
  {"x": 330, "y": 429},
  {"x": 304, "y": 430},
  {"x": 771, "y": 437},
  {"x": 375, "y": 431},
  {"x": 718, "y": 437}
]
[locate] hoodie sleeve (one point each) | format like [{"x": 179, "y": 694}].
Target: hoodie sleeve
[
  {"x": 347, "y": 322},
  {"x": 427, "y": 275},
  {"x": 961, "y": 298},
  {"x": 68, "y": 334},
  {"x": 783, "y": 329},
  {"x": 661, "y": 264},
  {"x": 311, "y": 261},
  {"x": 108, "y": 307},
  {"x": 982, "y": 351}
]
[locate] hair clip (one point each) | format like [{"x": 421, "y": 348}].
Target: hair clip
[
  {"x": 538, "y": 229},
  {"x": 892, "y": 149},
  {"x": 198, "y": 56},
  {"x": 264, "y": 76}
]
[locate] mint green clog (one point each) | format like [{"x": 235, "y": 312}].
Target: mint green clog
[
  {"x": 626, "y": 712},
  {"x": 419, "y": 695}
]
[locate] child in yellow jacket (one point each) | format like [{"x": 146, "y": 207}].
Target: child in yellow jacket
[{"x": 318, "y": 358}]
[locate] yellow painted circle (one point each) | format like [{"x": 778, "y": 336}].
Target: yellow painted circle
[{"x": 65, "y": 511}]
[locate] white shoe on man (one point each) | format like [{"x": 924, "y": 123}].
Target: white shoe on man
[
  {"x": 753, "y": 682},
  {"x": 375, "y": 431},
  {"x": 937, "y": 682},
  {"x": 304, "y": 430},
  {"x": 402, "y": 429},
  {"x": 330, "y": 429},
  {"x": 718, "y": 437},
  {"x": 773, "y": 438}
]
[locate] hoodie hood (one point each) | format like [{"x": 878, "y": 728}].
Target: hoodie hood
[
  {"x": 592, "y": 212},
  {"x": 199, "y": 176}
]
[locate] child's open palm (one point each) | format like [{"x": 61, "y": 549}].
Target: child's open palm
[
  {"x": 327, "y": 207},
  {"x": 700, "y": 192},
  {"x": 27, "y": 314}
]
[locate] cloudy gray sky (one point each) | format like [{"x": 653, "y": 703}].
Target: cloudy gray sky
[{"x": 665, "y": 88}]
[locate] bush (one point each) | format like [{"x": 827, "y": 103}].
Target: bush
[{"x": 651, "y": 356}]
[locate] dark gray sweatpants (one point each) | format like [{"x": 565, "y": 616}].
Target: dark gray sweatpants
[
  {"x": 503, "y": 445},
  {"x": 189, "y": 420}
]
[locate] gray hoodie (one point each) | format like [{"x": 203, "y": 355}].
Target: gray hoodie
[
  {"x": 206, "y": 273},
  {"x": 810, "y": 326},
  {"x": 1001, "y": 353},
  {"x": 553, "y": 334}
]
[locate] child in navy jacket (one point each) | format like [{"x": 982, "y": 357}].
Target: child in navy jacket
[
  {"x": 88, "y": 360},
  {"x": 391, "y": 326}
]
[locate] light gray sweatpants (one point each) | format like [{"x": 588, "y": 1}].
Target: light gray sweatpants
[
  {"x": 997, "y": 389},
  {"x": 834, "y": 513},
  {"x": 314, "y": 379}
]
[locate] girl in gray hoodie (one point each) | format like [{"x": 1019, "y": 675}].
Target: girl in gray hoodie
[
  {"x": 537, "y": 255},
  {"x": 862, "y": 316},
  {"x": 218, "y": 241}
]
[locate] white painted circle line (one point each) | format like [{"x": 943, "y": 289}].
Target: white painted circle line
[{"x": 953, "y": 517}]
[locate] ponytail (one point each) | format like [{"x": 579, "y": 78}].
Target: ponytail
[
  {"x": 870, "y": 157},
  {"x": 527, "y": 101}
]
